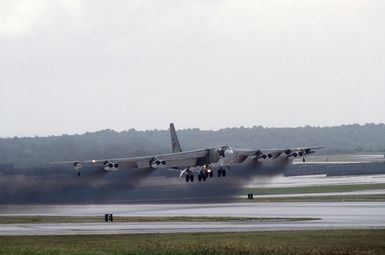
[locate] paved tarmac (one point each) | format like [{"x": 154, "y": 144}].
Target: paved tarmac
[
  {"x": 334, "y": 215},
  {"x": 316, "y": 180}
]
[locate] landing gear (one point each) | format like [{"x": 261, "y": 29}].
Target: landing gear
[
  {"x": 202, "y": 177},
  {"x": 303, "y": 160},
  {"x": 211, "y": 174},
  {"x": 189, "y": 177},
  {"x": 221, "y": 172}
]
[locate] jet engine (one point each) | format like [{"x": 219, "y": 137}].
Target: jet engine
[
  {"x": 300, "y": 153},
  {"x": 158, "y": 163},
  {"x": 226, "y": 159},
  {"x": 110, "y": 166},
  {"x": 77, "y": 166},
  {"x": 226, "y": 156}
]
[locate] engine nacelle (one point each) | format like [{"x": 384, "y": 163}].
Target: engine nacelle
[
  {"x": 274, "y": 155},
  {"x": 110, "y": 166},
  {"x": 77, "y": 165},
  {"x": 158, "y": 163},
  {"x": 226, "y": 156},
  {"x": 297, "y": 154}
]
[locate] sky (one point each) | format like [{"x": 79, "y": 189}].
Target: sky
[{"x": 74, "y": 66}]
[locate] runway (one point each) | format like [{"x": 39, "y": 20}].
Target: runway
[
  {"x": 316, "y": 180},
  {"x": 333, "y": 215}
]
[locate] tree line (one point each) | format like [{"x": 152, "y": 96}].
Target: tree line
[{"x": 34, "y": 151}]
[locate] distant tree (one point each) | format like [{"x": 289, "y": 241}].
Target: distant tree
[{"x": 34, "y": 151}]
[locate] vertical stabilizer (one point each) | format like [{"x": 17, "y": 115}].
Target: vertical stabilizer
[{"x": 174, "y": 139}]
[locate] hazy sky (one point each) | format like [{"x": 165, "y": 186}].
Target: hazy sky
[{"x": 74, "y": 65}]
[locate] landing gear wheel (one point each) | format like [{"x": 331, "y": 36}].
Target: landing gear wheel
[
  {"x": 204, "y": 177},
  {"x": 187, "y": 178},
  {"x": 191, "y": 178},
  {"x": 223, "y": 172},
  {"x": 219, "y": 172},
  {"x": 211, "y": 174},
  {"x": 303, "y": 160},
  {"x": 199, "y": 177}
]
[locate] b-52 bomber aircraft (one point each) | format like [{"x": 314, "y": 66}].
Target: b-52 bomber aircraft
[{"x": 201, "y": 162}]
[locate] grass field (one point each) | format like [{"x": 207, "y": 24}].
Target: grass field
[
  {"x": 316, "y": 189},
  {"x": 368, "y": 157},
  {"x": 88, "y": 219},
  {"x": 270, "y": 243},
  {"x": 344, "y": 198},
  {"x": 313, "y": 189}
]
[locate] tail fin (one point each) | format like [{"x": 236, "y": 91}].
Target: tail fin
[{"x": 174, "y": 139}]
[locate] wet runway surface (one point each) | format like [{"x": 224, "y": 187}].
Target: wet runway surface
[
  {"x": 333, "y": 215},
  {"x": 317, "y": 180}
]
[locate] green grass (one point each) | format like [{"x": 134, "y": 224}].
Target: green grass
[
  {"x": 345, "y": 198},
  {"x": 87, "y": 219},
  {"x": 356, "y": 242},
  {"x": 313, "y": 189},
  {"x": 359, "y": 157},
  {"x": 317, "y": 189}
]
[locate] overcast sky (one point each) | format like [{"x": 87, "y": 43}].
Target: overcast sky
[{"x": 74, "y": 66}]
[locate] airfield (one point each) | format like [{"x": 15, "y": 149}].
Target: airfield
[
  {"x": 325, "y": 213},
  {"x": 304, "y": 202},
  {"x": 306, "y": 214}
]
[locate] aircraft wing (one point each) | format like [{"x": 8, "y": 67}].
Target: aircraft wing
[
  {"x": 202, "y": 160},
  {"x": 172, "y": 160},
  {"x": 242, "y": 154}
]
